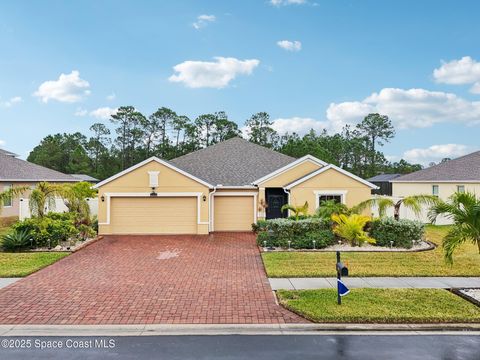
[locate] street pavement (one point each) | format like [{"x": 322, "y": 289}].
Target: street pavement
[
  {"x": 339, "y": 347},
  {"x": 375, "y": 282}
]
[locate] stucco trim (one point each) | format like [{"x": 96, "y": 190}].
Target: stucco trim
[
  {"x": 108, "y": 197},
  {"x": 232, "y": 193},
  {"x": 288, "y": 167},
  {"x": 144, "y": 162},
  {"x": 328, "y": 167}
]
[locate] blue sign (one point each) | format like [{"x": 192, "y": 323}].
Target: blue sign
[{"x": 342, "y": 288}]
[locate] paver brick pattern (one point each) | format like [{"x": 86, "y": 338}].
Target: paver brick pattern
[{"x": 211, "y": 279}]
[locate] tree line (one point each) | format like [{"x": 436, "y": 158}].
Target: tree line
[{"x": 130, "y": 137}]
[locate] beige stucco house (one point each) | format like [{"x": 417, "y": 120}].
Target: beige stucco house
[
  {"x": 18, "y": 172},
  {"x": 443, "y": 180},
  {"x": 224, "y": 187}
]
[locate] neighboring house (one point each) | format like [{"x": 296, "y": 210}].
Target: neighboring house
[
  {"x": 383, "y": 181},
  {"x": 17, "y": 172},
  {"x": 84, "y": 177},
  {"x": 224, "y": 187},
  {"x": 443, "y": 180}
]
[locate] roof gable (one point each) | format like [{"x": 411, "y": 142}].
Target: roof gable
[
  {"x": 329, "y": 167},
  {"x": 140, "y": 164},
  {"x": 234, "y": 162},
  {"x": 462, "y": 169}
]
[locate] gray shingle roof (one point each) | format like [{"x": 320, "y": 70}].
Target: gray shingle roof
[
  {"x": 8, "y": 153},
  {"x": 233, "y": 162},
  {"x": 85, "y": 177},
  {"x": 383, "y": 177},
  {"x": 465, "y": 168},
  {"x": 15, "y": 169}
]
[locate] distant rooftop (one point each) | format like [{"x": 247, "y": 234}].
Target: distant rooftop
[
  {"x": 464, "y": 168},
  {"x": 14, "y": 169},
  {"x": 85, "y": 177},
  {"x": 384, "y": 177}
]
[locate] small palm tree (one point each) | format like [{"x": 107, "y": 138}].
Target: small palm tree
[
  {"x": 351, "y": 228},
  {"x": 75, "y": 197},
  {"x": 42, "y": 196},
  {"x": 328, "y": 208},
  {"x": 464, "y": 210},
  {"x": 297, "y": 210},
  {"x": 412, "y": 202},
  {"x": 11, "y": 193}
]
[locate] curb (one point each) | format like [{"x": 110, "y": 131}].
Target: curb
[
  {"x": 239, "y": 329},
  {"x": 84, "y": 245}
]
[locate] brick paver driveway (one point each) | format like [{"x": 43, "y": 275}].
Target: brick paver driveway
[{"x": 149, "y": 280}]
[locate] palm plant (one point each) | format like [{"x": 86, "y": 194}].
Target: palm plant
[
  {"x": 464, "y": 210},
  {"x": 412, "y": 202},
  {"x": 329, "y": 207},
  {"x": 75, "y": 198},
  {"x": 297, "y": 210},
  {"x": 351, "y": 228},
  {"x": 42, "y": 196},
  {"x": 11, "y": 193}
]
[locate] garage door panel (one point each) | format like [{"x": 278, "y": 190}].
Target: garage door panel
[
  {"x": 154, "y": 215},
  {"x": 233, "y": 213}
]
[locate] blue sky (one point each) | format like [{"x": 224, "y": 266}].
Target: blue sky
[{"x": 307, "y": 63}]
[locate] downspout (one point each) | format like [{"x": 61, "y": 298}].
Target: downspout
[
  {"x": 210, "y": 208},
  {"x": 287, "y": 191}
]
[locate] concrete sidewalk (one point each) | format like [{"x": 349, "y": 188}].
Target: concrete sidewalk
[{"x": 376, "y": 282}]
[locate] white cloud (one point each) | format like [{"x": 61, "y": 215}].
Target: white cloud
[
  {"x": 203, "y": 20},
  {"x": 412, "y": 108},
  {"x": 209, "y": 74},
  {"x": 2, "y": 143},
  {"x": 103, "y": 113},
  {"x": 81, "y": 112},
  {"x": 287, "y": 2},
  {"x": 436, "y": 153},
  {"x": 111, "y": 97},
  {"x": 299, "y": 125},
  {"x": 290, "y": 45},
  {"x": 460, "y": 72},
  {"x": 68, "y": 88},
  {"x": 11, "y": 102}
]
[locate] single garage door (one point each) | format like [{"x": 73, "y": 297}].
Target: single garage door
[
  {"x": 233, "y": 213},
  {"x": 162, "y": 215}
]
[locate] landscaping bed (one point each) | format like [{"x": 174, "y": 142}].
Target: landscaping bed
[
  {"x": 381, "y": 306},
  {"x": 425, "y": 263}
]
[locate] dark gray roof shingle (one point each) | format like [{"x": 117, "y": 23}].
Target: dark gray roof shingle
[
  {"x": 85, "y": 177},
  {"x": 15, "y": 169},
  {"x": 233, "y": 162},
  {"x": 465, "y": 168},
  {"x": 383, "y": 177}
]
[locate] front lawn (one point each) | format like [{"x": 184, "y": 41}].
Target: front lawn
[
  {"x": 427, "y": 263},
  {"x": 381, "y": 306},
  {"x": 23, "y": 264}
]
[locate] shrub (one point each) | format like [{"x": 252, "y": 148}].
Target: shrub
[
  {"x": 259, "y": 226},
  {"x": 15, "y": 240},
  {"x": 54, "y": 227},
  {"x": 351, "y": 228},
  {"x": 300, "y": 233},
  {"x": 402, "y": 232}
]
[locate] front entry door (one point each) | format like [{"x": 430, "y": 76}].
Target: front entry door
[{"x": 275, "y": 201}]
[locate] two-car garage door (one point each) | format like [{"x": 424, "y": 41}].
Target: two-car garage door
[{"x": 150, "y": 215}]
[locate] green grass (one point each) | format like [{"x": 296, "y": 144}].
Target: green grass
[
  {"x": 381, "y": 306},
  {"x": 23, "y": 264},
  {"x": 426, "y": 263}
]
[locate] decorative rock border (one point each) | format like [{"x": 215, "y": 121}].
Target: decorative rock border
[
  {"x": 462, "y": 294},
  {"x": 73, "y": 249},
  {"x": 375, "y": 249}
]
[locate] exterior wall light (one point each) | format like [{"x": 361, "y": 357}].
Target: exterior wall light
[
  {"x": 103, "y": 198},
  {"x": 204, "y": 198}
]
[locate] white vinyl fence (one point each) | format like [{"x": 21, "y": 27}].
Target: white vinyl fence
[
  {"x": 409, "y": 214},
  {"x": 24, "y": 209}
]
